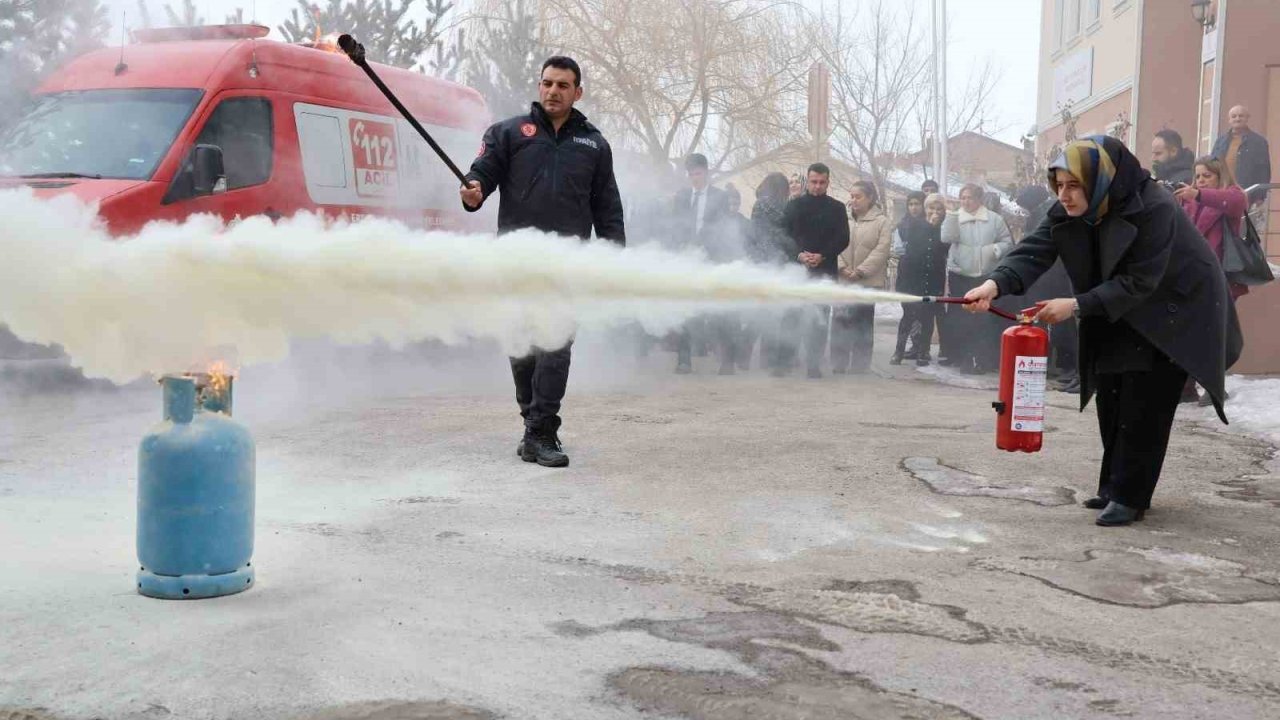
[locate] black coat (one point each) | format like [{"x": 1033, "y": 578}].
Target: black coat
[
  {"x": 683, "y": 223},
  {"x": 1180, "y": 169},
  {"x": 556, "y": 182},
  {"x": 768, "y": 241},
  {"x": 818, "y": 224},
  {"x": 1253, "y": 161},
  {"x": 923, "y": 267},
  {"x": 1159, "y": 276}
]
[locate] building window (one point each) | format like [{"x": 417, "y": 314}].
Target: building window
[
  {"x": 1072, "y": 20},
  {"x": 1094, "y": 13},
  {"x": 1059, "y": 24}
]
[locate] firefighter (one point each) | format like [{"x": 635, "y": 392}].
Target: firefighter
[
  {"x": 554, "y": 171},
  {"x": 1152, "y": 304}
]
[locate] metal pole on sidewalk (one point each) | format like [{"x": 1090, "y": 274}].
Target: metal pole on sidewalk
[{"x": 941, "y": 40}]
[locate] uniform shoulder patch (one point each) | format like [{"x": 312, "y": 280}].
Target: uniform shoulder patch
[{"x": 528, "y": 129}]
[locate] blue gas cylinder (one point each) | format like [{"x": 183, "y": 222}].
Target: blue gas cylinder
[{"x": 195, "y": 495}]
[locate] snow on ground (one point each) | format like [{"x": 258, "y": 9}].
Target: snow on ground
[{"x": 1254, "y": 408}]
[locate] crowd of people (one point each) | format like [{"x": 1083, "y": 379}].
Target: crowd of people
[{"x": 937, "y": 247}]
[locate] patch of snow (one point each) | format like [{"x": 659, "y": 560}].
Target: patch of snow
[{"x": 1253, "y": 409}]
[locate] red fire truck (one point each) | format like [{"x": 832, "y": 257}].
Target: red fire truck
[{"x": 217, "y": 119}]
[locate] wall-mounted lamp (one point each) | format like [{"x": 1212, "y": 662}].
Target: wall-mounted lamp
[{"x": 1200, "y": 11}]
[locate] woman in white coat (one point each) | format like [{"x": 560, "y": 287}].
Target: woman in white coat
[{"x": 978, "y": 238}]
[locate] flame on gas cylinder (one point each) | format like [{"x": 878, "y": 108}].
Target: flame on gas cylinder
[{"x": 220, "y": 375}]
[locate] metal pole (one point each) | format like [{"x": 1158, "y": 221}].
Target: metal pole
[
  {"x": 933, "y": 78},
  {"x": 942, "y": 96},
  {"x": 355, "y": 51}
]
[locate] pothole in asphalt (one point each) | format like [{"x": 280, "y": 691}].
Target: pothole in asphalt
[
  {"x": 401, "y": 711},
  {"x": 1145, "y": 577},
  {"x": 946, "y": 480},
  {"x": 787, "y": 684}
]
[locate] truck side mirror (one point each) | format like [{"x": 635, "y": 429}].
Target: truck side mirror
[{"x": 209, "y": 175}]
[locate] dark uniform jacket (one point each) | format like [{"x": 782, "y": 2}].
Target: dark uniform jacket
[
  {"x": 923, "y": 267},
  {"x": 556, "y": 182},
  {"x": 1253, "y": 161},
  {"x": 818, "y": 224},
  {"x": 1158, "y": 279}
]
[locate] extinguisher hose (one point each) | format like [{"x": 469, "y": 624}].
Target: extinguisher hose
[{"x": 961, "y": 301}]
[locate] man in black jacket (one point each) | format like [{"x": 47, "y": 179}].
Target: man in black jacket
[
  {"x": 696, "y": 211},
  {"x": 1170, "y": 161},
  {"x": 820, "y": 226},
  {"x": 554, "y": 171}
]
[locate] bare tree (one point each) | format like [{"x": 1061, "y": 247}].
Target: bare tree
[
  {"x": 506, "y": 56},
  {"x": 880, "y": 58},
  {"x": 669, "y": 77}
]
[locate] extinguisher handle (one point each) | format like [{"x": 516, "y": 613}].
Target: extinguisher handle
[{"x": 961, "y": 301}]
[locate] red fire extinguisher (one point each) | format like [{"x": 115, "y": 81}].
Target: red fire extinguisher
[{"x": 1024, "y": 363}]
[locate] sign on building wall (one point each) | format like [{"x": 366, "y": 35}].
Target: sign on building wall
[{"x": 1073, "y": 78}]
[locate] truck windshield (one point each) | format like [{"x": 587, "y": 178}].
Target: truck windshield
[{"x": 96, "y": 133}]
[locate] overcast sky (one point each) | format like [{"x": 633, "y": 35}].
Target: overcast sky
[{"x": 1007, "y": 31}]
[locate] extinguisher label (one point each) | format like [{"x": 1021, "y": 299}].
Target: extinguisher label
[{"x": 1028, "y": 393}]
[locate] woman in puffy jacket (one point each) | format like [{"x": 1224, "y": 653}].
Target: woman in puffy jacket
[
  {"x": 865, "y": 262},
  {"x": 978, "y": 238}
]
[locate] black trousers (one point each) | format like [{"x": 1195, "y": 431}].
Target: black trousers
[
  {"x": 853, "y": 337},
  {"x": 807, "y": 325},
  {"x": 920, "y": 317},
  {"x": 973, "y": 340},
  {"x": 541, "y": 378},
  {"x": 1135, "y": 416}
]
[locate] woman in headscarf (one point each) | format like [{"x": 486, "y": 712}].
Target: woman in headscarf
[
  {"x": 922, "y": 271},
  {"x": 1152, "y": 303}
]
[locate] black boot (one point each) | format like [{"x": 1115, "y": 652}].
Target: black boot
[
  {"x": 896, "y": 358},
  {"x": 1097, "y": 502},
  {"x": 1117, "y": 514},
  {"x": 543, "y": 447}
]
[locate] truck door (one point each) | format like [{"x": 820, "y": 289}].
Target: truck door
[{"x": 241, "y": 131}]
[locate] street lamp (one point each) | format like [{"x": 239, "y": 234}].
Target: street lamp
[{"x": 1200, "y": 12}]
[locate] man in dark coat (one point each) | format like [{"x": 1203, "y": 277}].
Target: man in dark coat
[
  {"x": 696, "y": 214},
  {"x": 555, "y": 173},
  {"x": 1170, "y": 161},
  {"x": 820, "y": 226},
  {"x": 1246, "y": 153},
  {"x": 1152, "y": 302}
]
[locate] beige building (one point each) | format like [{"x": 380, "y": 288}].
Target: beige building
[{"x": 1131, "y": 68}]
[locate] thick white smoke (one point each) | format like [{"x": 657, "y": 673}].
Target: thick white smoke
[{"x": 162, "y": 300}]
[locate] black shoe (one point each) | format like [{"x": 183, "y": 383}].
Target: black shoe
[
  {"x": 1073, "y": 387},
  {"x": 896, "y": 358},
  {"x": 684, "y": 368},
  {"x": 922, "y": 361},
  {"x": 1117, "y": 514},
  {"x": 814, "y": 374},
  {"x": 1097, "y": 502},
  {"x": 543, "y": 447},
  {"x": 911, "y": 354},
  {"x": 945, "y": 361}
]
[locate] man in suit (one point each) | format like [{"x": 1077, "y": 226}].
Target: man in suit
[
  {"x": 697, "y": 211},
  {"x": 1245, "y": 152}
]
